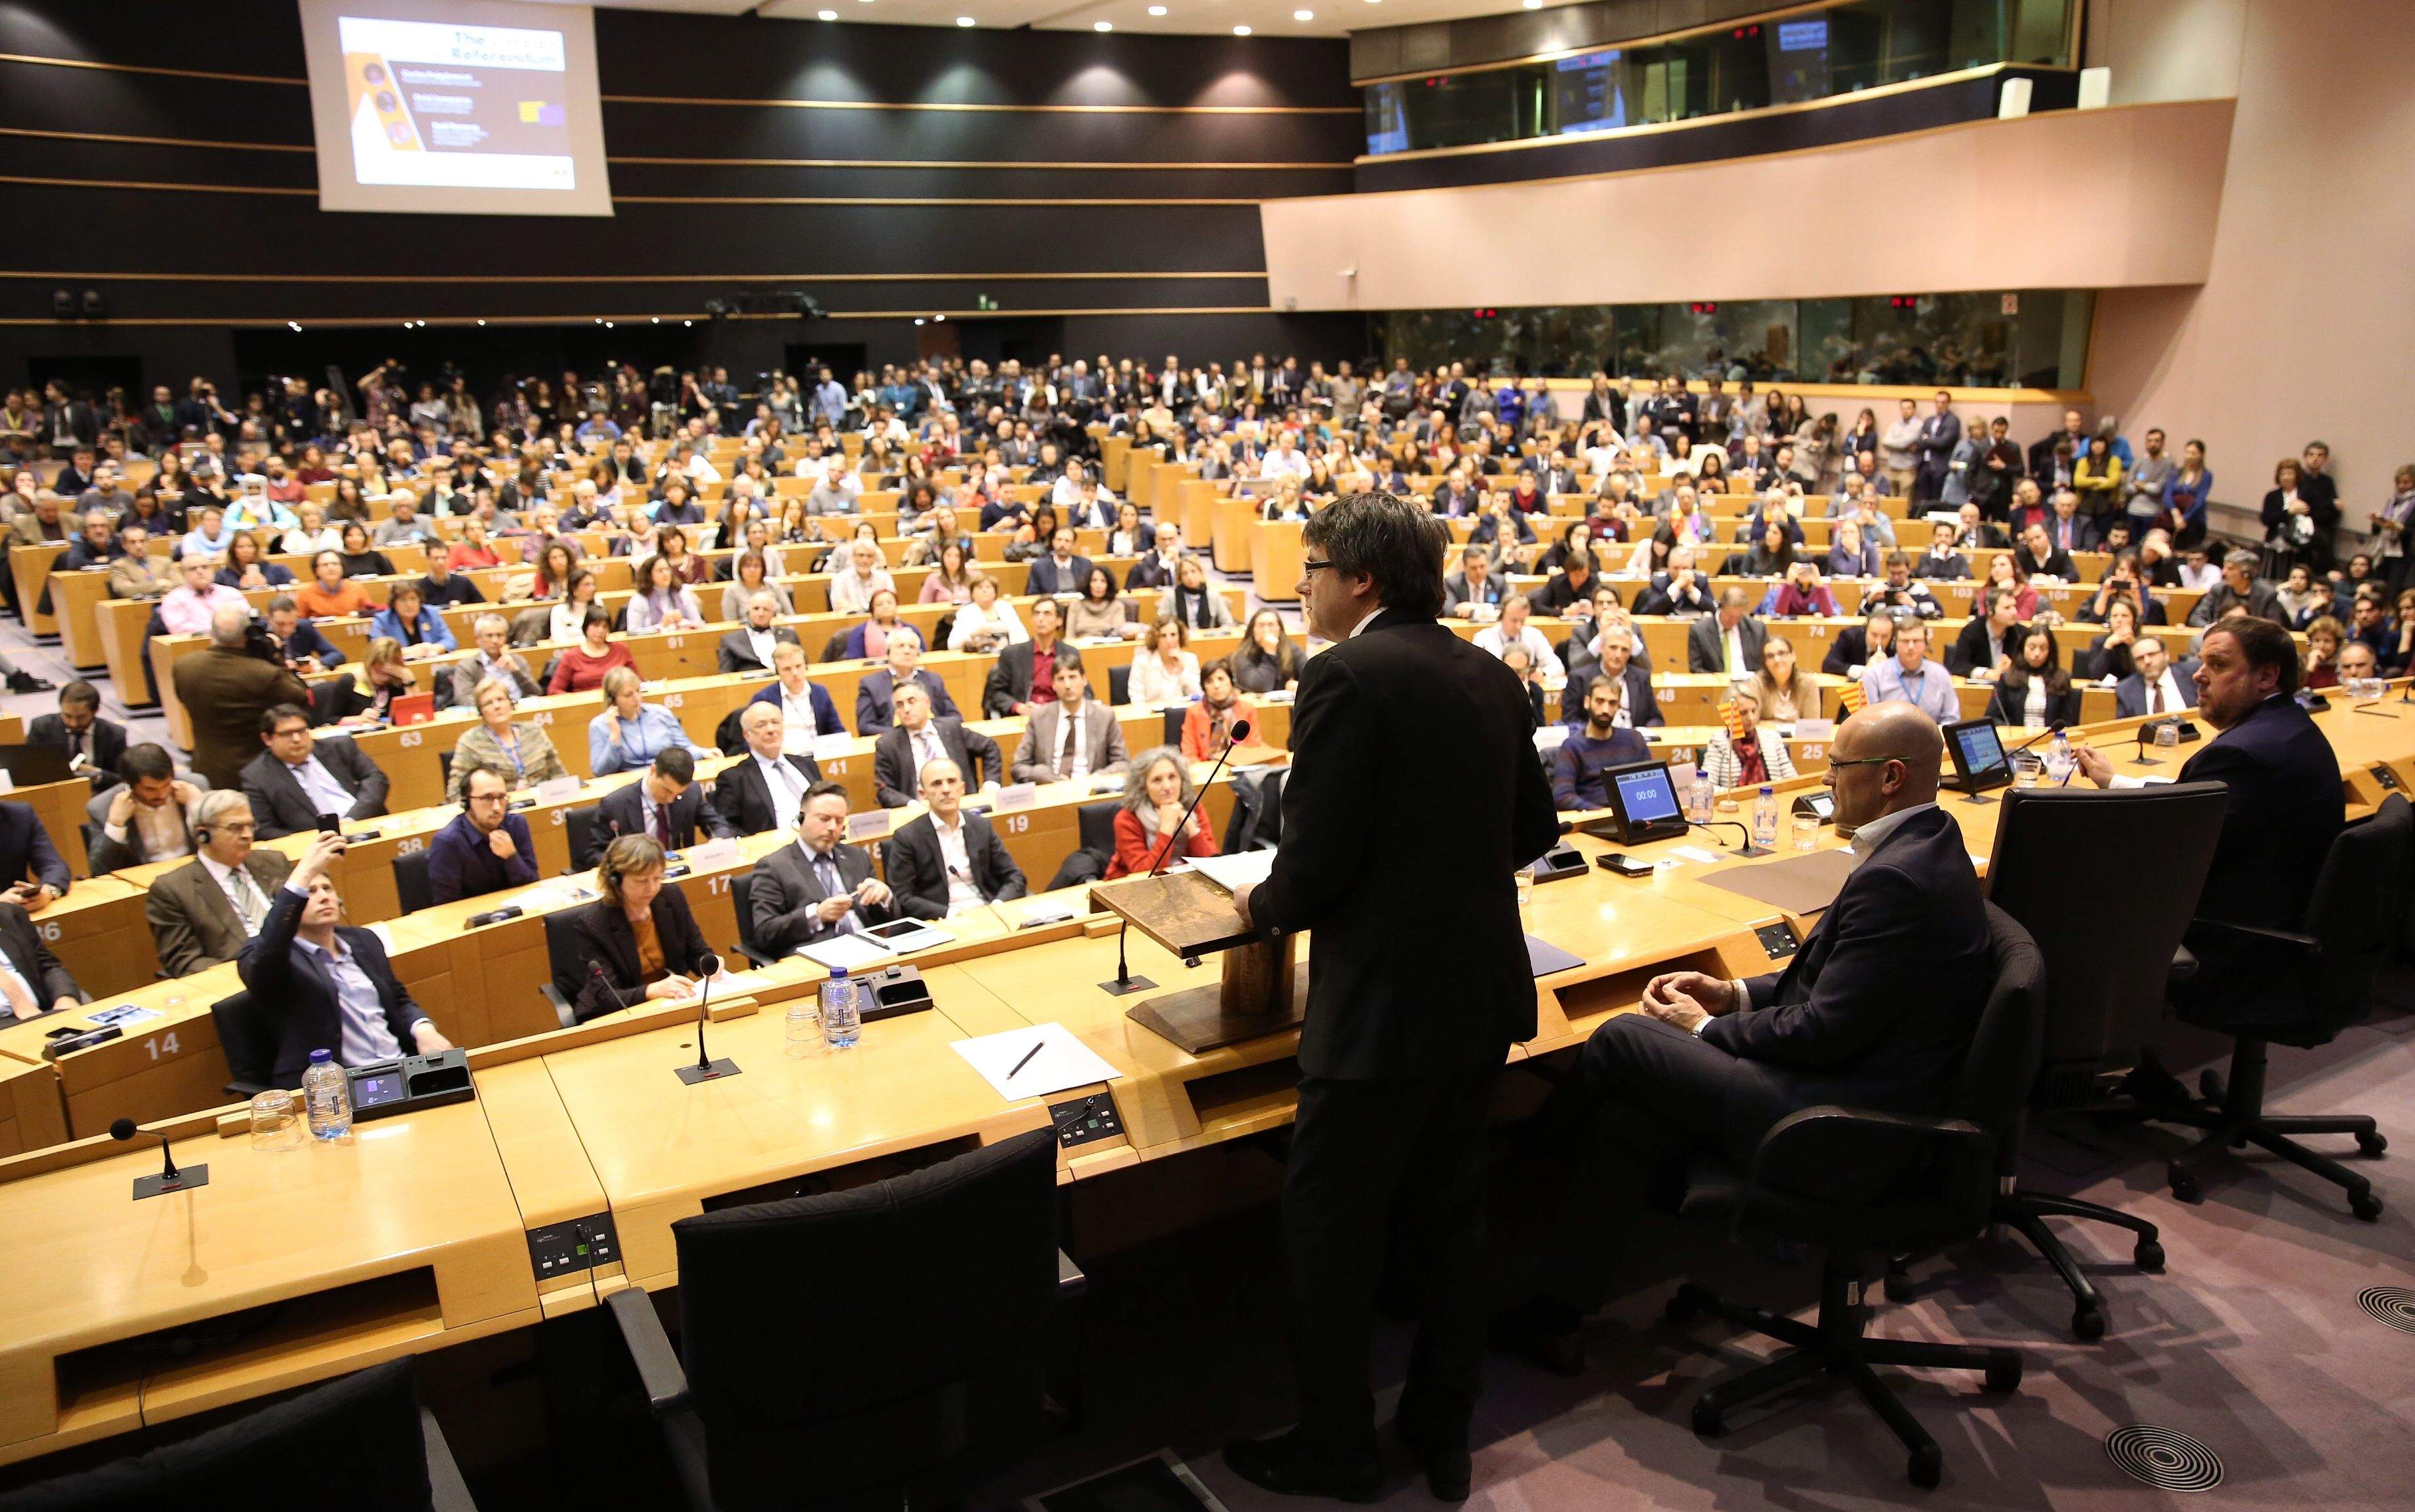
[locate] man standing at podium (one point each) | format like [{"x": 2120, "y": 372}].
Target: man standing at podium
[{"x": 1418, "y": 985}]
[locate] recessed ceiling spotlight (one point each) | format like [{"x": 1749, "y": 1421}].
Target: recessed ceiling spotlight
[
  {"x": 964, "y": 20},
  {"x": 658, "y": 319},
  {"x": 294, "y": 326},
  {"x": 826, "y": 15},
  {"x": 1241, "y": 31},
  {"x": 937, "y": 319},
  {"x": 482, "y": 321},
  {"x": 918, "y": 320},
  {"x": 1533, "y": 4},
  {"x": 1103, "y": 25},
  {"x": 1303, "y": 15},
  {"x": 1157, "y": 10},
  {"x": 682, "y": 322}
]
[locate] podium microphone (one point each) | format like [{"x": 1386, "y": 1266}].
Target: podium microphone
[
  {"x": 706, "y": 1069},
  {"x": 170, "y": 1178},
  {"x": 1125, "y": 981}
]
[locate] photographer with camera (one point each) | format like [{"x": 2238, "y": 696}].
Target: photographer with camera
[{"x": 228, "y": 687}]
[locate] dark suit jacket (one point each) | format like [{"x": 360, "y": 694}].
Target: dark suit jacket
[
  {"x": 1491, "y": 589},
  {"x": 280, "y": 806},
  {"x": 1010, "y": 681},
  {"x": 1879, "y": 1004},
  {"x": 1706, "y": 651},
  {"x": 2005, "y": 706},
  {"x": 108, "y": 742},
  {"x": 743, "y": 800},
  {"x": 33, "y": 959},
  {"x": 787, "y": 891},
  {"x": 26, "y": 849},
  {"x": 290, "y": 989},
  {"x": 623, "y": 812},
  {"x": 2056, "y": 564},
  {"x": 2286, "y": 808},
  {"x": 876, "y": 700},
  {"x": 224, "y": 694},
  {"x": 736, "y": 653},
  {"x": 898, "y": 783},
  {"x": 601, "y": 938},
  {"x": 825, "y": 712},
  {"x": 1383, "y": 722},
  {"x": 310, "y": 640},
  {"x": 193, "y": 923},
  {"x": 1971, "y": 651},
  {"x": 462, "y": 861},
  {"x": 919, "y": 875},
  {"x": 1045, "y": 578},
  {"x": 2130, "y": 693}
]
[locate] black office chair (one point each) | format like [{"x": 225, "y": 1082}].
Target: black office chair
[
  {"x": 1256, "y": 823},
  {"x": 1120, "y": 685},
  {"x": 561, "y": 948},
  {"x": 584, "y": 830},
  {"x": 445, "y": 765},
  {"x": 741, "y": 901},
  {"x": 2322, "y": 983},
  {"x": 2108, "y": 951},
  {"x": 364, "y": 1432},
  {"x": 1095, "y": 825},
  {"x": 729, "y": 736},
  {"x": 1941, "y": 1194},
  {"x": 930, "y": 1380},
  {"x": 1172, "y": 722},
  {"x": 410, "y": 888},
  {"x": 248, "y": 1043}
]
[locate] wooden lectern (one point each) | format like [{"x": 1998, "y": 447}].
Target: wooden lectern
[{"x": 1184, "y": 912}]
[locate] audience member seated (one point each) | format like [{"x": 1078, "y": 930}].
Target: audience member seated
[
  {"x": 1512, "y": 629},
  {"x": 1194, "y": 600},
  {"x": 1728, "y": 642},
  {"x": 300, "y": 776},
  {"x": 636, "y": 943},
  {"x": 1571, "y": 585},
  {"x": 1021, "y": 678},
  {"x": 864, "y": 575},
  {"x": 134, "y": 575},
  {"x": 32, "y": 981},
  {"x": 1876, "y": 1009},
  {"x": 366, "y": 695},
  {"x": 1267, "y": 660},
  {"x": 203, "y": 913},
  {"x": 1679, "y": 591},
  {"x": 948, "y": 860},
  {"x": 304, "y": 646},
  {"x": 875, "y": 691},
  {"x": 869, "y": 640},
  {"x": 662, "y": 601},
  {"x": 1157, "y": 789},
  {"x": 585, "y": 665},
  {"x": 2323, "y": 663},
  {"x": 1074, "y": 736},
  {"x": 226, "y": 689},
  {"x": 487, "y": 847},
  {"x": 749, "y": 648},
  {"x": 986, "y": 621},
  {"x": 1909, "y": 677},
  {"x": 1589, "y": 748},
  {"x": 1849, "y": 554},
  {"x": 1782, "y": 691},
  {"x": 149, "y": 816},
  {"x": 2238, "y": 586},
  {"x": 524, "y": 753},
  {"x": 2157, "y": 685},
  {"x": 91, "y": 743},
  {"x": 2039, "y": 557},
  {"x": 1164, "y": 670},
  {"x": 1058, "y": 571},
  {"x": 1738, "y": 756},
  {"x": 245, "y": 570},
  {"x": 1475, "y": 591},
  {"x": 1986, "y": 646},
  {"x": 804, "y": 706},
  {"x": 495, "y": 661},
  {"x": 30, "y": 865},
  {"x": 920, "y": 737},
  {"x": 1943, "y": 562},
  {"x": 331, "y": 593},
  {"x": 410, "y": 622},
  {"x": 2033, "y": 689},
  {"x": 1800, "y": 596},
  {"x": 1898, "y": 589},
  {"x": 1098, "y": 614},
  {"x": 1157, "y": 569},
  {"x": 325, "y": 985},
  {"x": 187, "y": 609},
  {"x": 763, "y": 789},
  {"x": 1773, "y": 552},
  {"x": 1208, "y": 725},
  {"x": 664, "y": 804},
  {"x": 816, "y": 888}
]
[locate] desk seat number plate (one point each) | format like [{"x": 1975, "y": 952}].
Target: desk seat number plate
[
  {"x": 1776, "y": 941},
  {"x": 1086, "y": 1120}
]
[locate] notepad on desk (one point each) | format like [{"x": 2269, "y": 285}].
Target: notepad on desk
[{"x": 1034, "y": 1062}]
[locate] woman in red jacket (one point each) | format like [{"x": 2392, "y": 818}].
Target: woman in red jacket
[
  {"x": 1208, "y": 727},
  {"x": 1155, "y": 795}
]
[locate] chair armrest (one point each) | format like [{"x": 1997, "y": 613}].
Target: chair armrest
[
  {"x": 650, "y": 1350},
  {"x": 561, "y": 1008},
  {"x": 1071, "y": 1282},
  {"x": 246, "y": 1090},
  {"x": 755, "y": 956},
  {"x": 2284, "y": 936},
  {"x": 446, "y": 1490},
  {"x": 1814, "y": 1140}
]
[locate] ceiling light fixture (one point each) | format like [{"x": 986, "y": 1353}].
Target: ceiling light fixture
[
  {"x": 964, "y": 20},
  {"x": 826, "y": 15},
  {"x": 295, "y": 326},
  {"x": 1303, "y": 15},
  {"x": 482, "y": 321},
  {"x": 1157, "y": 10},
  {"x": 1533, "y": 4},
  {"x": 1241, "y": 31},
  {"x": 1103, "y": 25}
]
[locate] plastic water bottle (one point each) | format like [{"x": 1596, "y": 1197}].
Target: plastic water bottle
[
  {"x": 841, "y": 1019},
  {"x": 328, "y": 1096},
  {"x": 1699, "y": 794},
  {"x": 2059, "y": 760},
  {"x": 1765, "y": 817}
]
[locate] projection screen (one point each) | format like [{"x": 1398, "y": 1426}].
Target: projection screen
[{"x": 456, "y": 107}]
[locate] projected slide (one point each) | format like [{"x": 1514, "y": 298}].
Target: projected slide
[{"x": 447, "y": 105}]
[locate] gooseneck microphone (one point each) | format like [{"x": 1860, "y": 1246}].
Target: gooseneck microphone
[
  {"x": 706, "y": 1069},
  {"x": 170, "y": 1178},
  {"x": 1125, "y": 981}
]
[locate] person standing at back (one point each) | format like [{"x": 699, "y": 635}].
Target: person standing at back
[{"x": 1403, "y": 1041}]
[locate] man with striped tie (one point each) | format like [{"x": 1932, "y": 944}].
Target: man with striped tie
[{"x": 203, "y": 913}]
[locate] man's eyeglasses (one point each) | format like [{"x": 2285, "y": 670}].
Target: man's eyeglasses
[
  {"x": 1313, "y": 565},
  {"x": 1861, "y": 761}
]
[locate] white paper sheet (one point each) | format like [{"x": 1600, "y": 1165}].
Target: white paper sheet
[
  {"x": 852, "y": 952},
  {"x": 1063, "y": 1061},
  {"x": 1231, "y": 871}
]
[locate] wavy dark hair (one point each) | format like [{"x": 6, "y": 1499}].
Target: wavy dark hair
[{"x": 1395, "y": 543}]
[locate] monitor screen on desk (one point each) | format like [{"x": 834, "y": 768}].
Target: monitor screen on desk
[
  {"x": 1645, "y": 794},
  {"x": 1978, "y": 755}
]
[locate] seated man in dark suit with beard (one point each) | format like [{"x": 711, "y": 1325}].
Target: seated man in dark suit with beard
[{"x": 1875, "y": 1009}]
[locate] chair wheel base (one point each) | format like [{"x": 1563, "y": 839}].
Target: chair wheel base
[
  {"x": 2372, "y": 1145},
  {"x": 2184, "y": 1185},
  {"x": 1925, "y": 1467},
  {"x": 2148, "y": 1255},
  {"x": 2366, "y": 1205},
  {"x": 1708, "y": 1422},
  {"x": 2086, "y": 1325}
]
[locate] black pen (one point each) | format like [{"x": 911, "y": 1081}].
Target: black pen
[{"x": 1026, "y": 1060}]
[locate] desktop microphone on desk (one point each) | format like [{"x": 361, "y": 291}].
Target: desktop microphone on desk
[
  {"x": 170, "y": 1178},
  {"x": 706, "y": 1069},
  {"x": 1125, "y": 981}
]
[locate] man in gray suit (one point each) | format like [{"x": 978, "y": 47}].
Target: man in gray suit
[
  {"x": 818, "y": 887},
  {"x": 749, "y": 648},
  {"x": 1076, "y": 736},
  {"x": 495, "y": 659},
  {"x": 148, "y": 817},
  {"x": 920, "y": 738},
  {"x": 203, "y": 913},
  {"x": 1728, "y": 642}
]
